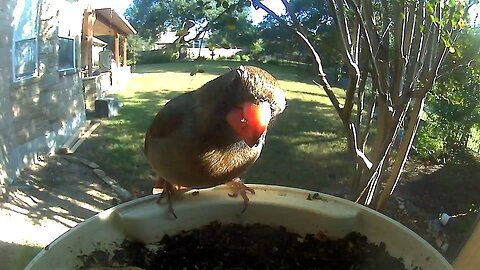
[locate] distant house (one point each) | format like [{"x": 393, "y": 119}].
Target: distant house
[
  {"x": 42, "y": 101},
  {"x": 201, "y": 49},
  {"x": 196, "y": 47},
  {"x": 166, "y": 38}
]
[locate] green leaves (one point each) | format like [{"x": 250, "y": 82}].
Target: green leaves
[
  {"x": 231, "y": 23},
  {"x": 222, "y": 3},
  {"x": 453, "y": 106},
  {"x": 182, "y": 32},
  {"x": 212, "y": 47}
]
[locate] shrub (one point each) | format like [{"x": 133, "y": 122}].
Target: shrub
[
  {"x": 236, "y": 57},
  {"x": 429, "y": 144},
  {"x": 156, "y": 57},
  {"x": 245, "y": 57}
]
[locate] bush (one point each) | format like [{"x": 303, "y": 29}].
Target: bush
[
  {"x": 155, "y": 57},
  {"x": 236, "y": 57},
  {"x": 245, "y": 57},
  {"x": 429, "y": 144},
  {"x": 131, "y": 62}
]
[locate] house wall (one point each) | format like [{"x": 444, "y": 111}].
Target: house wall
[{"x": 38, "y": 114}]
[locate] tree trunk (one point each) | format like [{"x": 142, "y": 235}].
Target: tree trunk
[{"x": 403, "y": 151}]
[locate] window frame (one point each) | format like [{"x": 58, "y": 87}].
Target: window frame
[
  {"x": 64, "y": 32},
  {"x": 35, "y": 72},
  {"x": 73, "y": 54}
]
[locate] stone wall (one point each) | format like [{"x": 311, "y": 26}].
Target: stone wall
[{"x": 38, "y": 114}]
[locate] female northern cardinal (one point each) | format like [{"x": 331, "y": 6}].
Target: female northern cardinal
[{"x": 211, "y": 135}]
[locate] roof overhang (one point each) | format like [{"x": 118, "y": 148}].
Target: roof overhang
[
  {"x": 99, "y": 42},
  {"x": 108, "y": 22}
]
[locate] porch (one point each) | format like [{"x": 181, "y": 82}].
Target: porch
[{"x": 104, "y": 70}]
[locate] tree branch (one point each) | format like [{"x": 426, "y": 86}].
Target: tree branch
[
  {"x": 351, "y": 61},
  {"x": 425, "y": 52},
  {"x": 362, "y": 158},
  {"x": 403, "y": 151},
  {"x": 418, "y": 45},
  {"x": 373, "y": 181},
  {"x": 323, "y": 79},
  {"x": 203, "y": 30},
  {"x": 373, "y": 41},
  {"x": 398, "y": 57},
  {"x": 361, "y": 102},
  {"x": 369, "y": 120}
]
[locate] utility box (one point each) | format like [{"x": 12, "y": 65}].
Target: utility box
[{"x": 107, "y": 107}]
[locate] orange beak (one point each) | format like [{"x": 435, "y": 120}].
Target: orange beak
[{"x": 250, "y": 120}]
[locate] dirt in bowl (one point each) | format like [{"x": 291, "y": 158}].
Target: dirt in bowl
[{"x": 257, "y": 246}]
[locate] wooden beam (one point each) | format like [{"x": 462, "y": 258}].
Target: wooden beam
[
  {"x": 83, "y": 137},
  {"x": 124, "y": 60},
  {"x": 117, "y": 49},
  {"x": 65, "y": 149},
  {"x": 107, "y": 22}
]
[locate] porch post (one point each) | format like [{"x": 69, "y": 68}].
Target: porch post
[
  {"x": 88, "y": 21},
  {"x": 117, "y": 49},
  {"x": 124, "y": 60}
]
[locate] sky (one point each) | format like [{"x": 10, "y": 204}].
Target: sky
[
  {"x": 276, "y": 5},
  {"x": 118, "y": 5},
  {"x": 475, "y": 10}
]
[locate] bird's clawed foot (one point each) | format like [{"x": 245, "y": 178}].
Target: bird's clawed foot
[
  {"x": 168, "y": 192},
  {"x": 240, "y": 188}
]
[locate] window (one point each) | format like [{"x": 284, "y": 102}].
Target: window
[
  {"x": 66, "y": 41},
  {"x": 66, "y": 53},
  {"x": 25, "y": 58},
  {"x": 25, "y": 39},
  {"x": 196, "y": 43}
]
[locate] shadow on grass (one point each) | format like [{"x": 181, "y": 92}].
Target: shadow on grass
[
  {"x": 304, "y": 149},
  {"x": 121, "y": 141}
]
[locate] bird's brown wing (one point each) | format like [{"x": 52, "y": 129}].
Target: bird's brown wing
[{"x": 165, "y": 122}]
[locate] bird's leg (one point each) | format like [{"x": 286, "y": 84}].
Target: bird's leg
[
  {"x": 168, "y": 191},
  {"x": 240, "y": 188}
]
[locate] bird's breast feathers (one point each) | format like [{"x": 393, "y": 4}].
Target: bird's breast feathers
[{"x": 232, "y": 160}]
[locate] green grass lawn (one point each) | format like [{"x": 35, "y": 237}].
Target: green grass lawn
[{"x": 305, "y": 145}]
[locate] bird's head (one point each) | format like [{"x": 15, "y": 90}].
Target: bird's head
[{"x": 258, "y": 100}]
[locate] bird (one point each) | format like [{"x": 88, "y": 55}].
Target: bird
[{"x": 211, "y": 135}]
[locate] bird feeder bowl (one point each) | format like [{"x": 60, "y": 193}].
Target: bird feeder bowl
[{"x": 298, "y": 210}]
